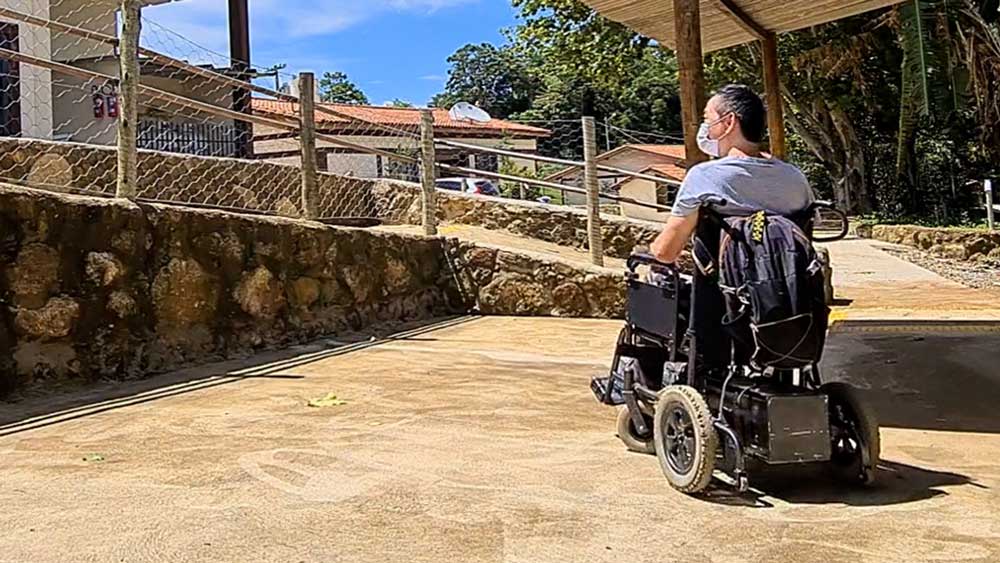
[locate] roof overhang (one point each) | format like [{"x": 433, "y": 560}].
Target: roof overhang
[{"x": 720, "y": 28}]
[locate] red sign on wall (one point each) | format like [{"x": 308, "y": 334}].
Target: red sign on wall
[{"x": 105, "y": 101}]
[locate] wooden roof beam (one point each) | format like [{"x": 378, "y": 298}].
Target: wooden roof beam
[
  {"x": 743, "y": 19},
  {"x": 772, "y": 78}
]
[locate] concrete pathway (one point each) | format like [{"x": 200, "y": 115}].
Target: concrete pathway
[
  {"x": 504, "y": 239},
  {"x": 479, "y": 440},
  {"x": 872, "y": 283}
]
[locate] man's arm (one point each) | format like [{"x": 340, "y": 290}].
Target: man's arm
[{"x": 671, "y": 242}]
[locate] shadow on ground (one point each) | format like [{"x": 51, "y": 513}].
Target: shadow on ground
[
  {"x": 70, "y": 404},
  {"x": 897, "y": 483},
  {"x": 922, "y": 375},
  {"x": 938, "y": 376}
]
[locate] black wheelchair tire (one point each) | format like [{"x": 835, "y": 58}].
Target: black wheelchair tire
[
  {"x": 628, "y": 435},
  {"x": 845, "y": 402},
  {"x": 682, "y": 408}
]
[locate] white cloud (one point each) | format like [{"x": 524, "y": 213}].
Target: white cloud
[
  {"x": 434, "y": 78},
  {"x": 197, "y": 30},
  {"x": 200, "y": 20}
]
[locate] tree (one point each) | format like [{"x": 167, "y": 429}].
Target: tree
[
  {"x": 859, "y": 93},
  {"x": 490, "y": 77},
  {"x": 585, "y": 61},
  {"x": 337, "y": 88},
  {"x": 398, "y": 103}
]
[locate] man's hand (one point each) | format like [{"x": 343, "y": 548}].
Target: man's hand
[{"x": 668, "y": 246}]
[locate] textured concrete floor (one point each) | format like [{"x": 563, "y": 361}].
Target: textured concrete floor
[{"x": 480, "y": 441}]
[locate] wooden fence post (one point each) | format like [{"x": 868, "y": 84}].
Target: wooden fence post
[
  {"x": 428, "y": 172},
  {"x": 595, "y": 232},
  {"x": 307, "y": 138},
  {"x": 128, "y": 107}
]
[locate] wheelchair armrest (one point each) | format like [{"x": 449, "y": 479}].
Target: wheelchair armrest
[
  {"x": 644, "y": 258},
  {"x": 829, "y": 207},
  {"x": 822, "y": 204},
  {"x": 712, "y": 202}
]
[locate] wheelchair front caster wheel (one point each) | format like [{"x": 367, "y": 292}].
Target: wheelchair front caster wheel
[
  {"x": 627, "y": 433},
  {"x": 685, "y": 437}
]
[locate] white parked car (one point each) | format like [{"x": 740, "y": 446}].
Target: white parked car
[{"x": 469, "y": 186}]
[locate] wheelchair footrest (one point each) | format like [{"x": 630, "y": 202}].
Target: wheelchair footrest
[{"x": 608, "y": 390}]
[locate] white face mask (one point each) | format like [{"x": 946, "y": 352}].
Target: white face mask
[{"x": 706, "y": 143}]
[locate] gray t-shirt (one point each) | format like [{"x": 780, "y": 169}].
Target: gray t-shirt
[{"x": 747, "y": 184}]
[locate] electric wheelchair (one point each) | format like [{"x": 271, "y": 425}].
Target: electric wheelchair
[{"x": 687, "y": 393}]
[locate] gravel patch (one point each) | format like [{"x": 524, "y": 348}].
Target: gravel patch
[{"x": 980, "y": 276}]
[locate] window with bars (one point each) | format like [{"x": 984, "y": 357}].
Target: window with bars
[{"x": 10, "y": 84}]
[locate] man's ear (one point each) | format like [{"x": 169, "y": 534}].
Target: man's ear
[{"x": 731, "y": 128}]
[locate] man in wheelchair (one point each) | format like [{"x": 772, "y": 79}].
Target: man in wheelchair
[
  {"x": 741, "y": 175},
  {"x": 721, "y": 365}
]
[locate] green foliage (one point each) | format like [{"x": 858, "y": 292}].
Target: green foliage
[
  {"x": 337, "y": 88},
  {"x": 516, "y": 190},
  {"x": 398, "y": 103},
  {"x": 490, "y": 77},
  {"x": 929, "y": 82},
  {"x": 564, "y": 61},
  {"x": 910, "y": 88}
]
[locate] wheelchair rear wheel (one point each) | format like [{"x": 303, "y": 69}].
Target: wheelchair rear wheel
[
  {"x": 627, "y": 433},
  {"x": 685, "y": 438},
  {"x": 855, "y": 435}
]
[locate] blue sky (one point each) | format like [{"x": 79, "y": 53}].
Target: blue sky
[{"x": 390, "y": 48}]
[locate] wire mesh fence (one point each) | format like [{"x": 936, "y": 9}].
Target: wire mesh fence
[
  {"x": 209, "y": 130},
  {"x": 60, "y": 81}
]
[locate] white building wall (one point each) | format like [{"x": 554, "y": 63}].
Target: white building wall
[
  {"x": 641, "y": 190},
  {"x": 355, "y": 165},
  {"x": 95, "y": 15},
  {"x": 36, "y": 83},
  {"x": 74, "y": 112},
  {"x": 366, "y": 165},
  {"x": 74, "y": 107}
]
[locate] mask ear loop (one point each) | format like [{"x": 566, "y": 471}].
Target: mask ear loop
[{"x": 732, "y": 126}]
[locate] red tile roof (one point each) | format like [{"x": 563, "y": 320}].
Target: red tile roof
[
  {"x": 673, "y": 151},
  {"x": 672, "y": 171},
  {"x": 406, "y": 119}
]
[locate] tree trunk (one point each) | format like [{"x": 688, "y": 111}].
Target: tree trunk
[
  {"x": 831, "y": 136},
  {"x": 856, "y": 169}
]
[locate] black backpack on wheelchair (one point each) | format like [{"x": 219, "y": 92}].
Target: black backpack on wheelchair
[
  {"x": 774, "y": 288},
  {"x": 721, "y": 365}
]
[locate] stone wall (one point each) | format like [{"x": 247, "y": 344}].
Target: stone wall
[
  {"x": 99, "y": 288},
  {"x": 95, "y": 288},
  {"x": 225, "y": 182},
  {"x": 500, "y": 282},
  {"x": 400, "y": 203},
  {"x": 958, "y": 244}
]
